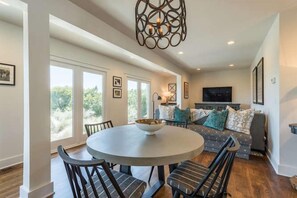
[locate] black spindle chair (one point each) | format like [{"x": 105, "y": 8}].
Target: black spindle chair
[
  {"x": 191, "y": 179},
  {"x": 170, "y": 123},
  {"x": 104, "y": 183},
  {"x": 94, "y": 128}
]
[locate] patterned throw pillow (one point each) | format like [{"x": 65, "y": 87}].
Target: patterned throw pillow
[
  {"x": 181, "y": 115},
  {"x": 239, "y": 121},
  {"x": 166, "y": 112},
  {"x": 216, "y": 120}
]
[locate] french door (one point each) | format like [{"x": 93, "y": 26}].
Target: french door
[
  {"x": 138, "y": 100},
  {"x": 77, "y": 98}
]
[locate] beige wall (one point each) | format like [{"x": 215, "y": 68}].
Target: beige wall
[{"x": 238, "y": 79}]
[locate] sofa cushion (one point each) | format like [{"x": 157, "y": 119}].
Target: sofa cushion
[
  {"x": 221, "y": 136},
  {"x": 216, "y": 120},
  {"x": 181, "y": 115},
  {"x": 239, "y": 121},
  {"x": 166, "y": 112}
]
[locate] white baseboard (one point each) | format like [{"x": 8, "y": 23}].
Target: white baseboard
[
  {"x": 11, "y": 161},
  {"x": 281, "y": 169},
  {"x": 44, "y": 191}
]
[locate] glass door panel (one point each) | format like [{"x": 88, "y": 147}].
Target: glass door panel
[
  {"x": 61, "y": 90},
  {"x": 145, "y": 94},
  {"x": 132, "y": 101},
  {"x": 92, "y": 98}
]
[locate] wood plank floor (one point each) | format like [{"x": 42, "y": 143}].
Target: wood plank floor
[{"x": 250, "y": 178}]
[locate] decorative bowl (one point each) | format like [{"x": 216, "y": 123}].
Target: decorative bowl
[{"x": 149, "y": 125}]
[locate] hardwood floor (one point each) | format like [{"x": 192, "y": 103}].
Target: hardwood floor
[{"x": 250, "y": 178}]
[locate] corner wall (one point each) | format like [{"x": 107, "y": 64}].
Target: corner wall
[{"x": 270, "y": 51}]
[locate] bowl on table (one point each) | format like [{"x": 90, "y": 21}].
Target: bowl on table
[{"x": 150, "y": 126}]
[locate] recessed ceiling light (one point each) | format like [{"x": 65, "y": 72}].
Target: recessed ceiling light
[
  {"x": 231, "y": 65},
  {"x": 231, "y": 42},
  {"x": 180, "y": 52},
  {"x": 4, "y": 3},
  {"x": 198, "y": 69}
]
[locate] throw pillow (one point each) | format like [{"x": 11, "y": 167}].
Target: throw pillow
[
  {"x": 181, "y": 115},
  {"x": 239, "y": 121},
  {"x": 216, "y": 120},
  {"x": 166, "y": 112},
  {"x": 197, "y": 114}
]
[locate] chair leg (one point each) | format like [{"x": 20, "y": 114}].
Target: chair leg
[
  {"x": 176, "y": 194},
  {"x": 151, "y": 173}
]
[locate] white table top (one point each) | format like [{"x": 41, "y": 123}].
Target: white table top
[{"x": 128, "y": 145}]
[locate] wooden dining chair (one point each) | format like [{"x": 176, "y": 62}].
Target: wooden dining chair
[
  {"x": 96, "y": 127},
  {"x": 170, "y": 123},
  {"x": 191, "y": 179},
  {"x": 105, "y": 183}
]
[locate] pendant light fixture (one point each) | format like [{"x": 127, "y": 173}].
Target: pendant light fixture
[{"x": 160, "y": 23}]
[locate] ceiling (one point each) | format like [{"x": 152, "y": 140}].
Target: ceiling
[{"x": 211, "y": 24}]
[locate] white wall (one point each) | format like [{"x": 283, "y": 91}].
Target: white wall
[
  {"x": 11, "y": 99},
  {"x": 270, "y": 51},
  {"x": 288, "y": 91},
  {"x": 238, "y": 79}
]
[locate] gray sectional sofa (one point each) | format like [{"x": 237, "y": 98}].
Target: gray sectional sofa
[{"x": 214, "y": 138}]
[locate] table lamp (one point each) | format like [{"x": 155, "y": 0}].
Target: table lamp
[{"x": 153, "y": 100}]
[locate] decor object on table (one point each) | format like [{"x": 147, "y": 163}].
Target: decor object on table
[
  {"x": 172, "y": 90},
  {"x": 258, "y": 83},
  {"x": 150, "y": 126},
  {"x": 117, "y": 81},
  {"x": 166, "y": 112},
  {"x": 117, "y": 93},
  {"x": 7, "y": 74},
  {"x": 239, "y": 121},
  {"x": 186, "y": 90},
  {"x": 153, "y": 100},
  {"x": 216, "y": 120},
  {"x": 182, "y": 115},
  {"x": 160, "y": 23}
]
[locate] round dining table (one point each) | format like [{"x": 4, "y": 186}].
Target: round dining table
[{"x": 129, "y": 146}]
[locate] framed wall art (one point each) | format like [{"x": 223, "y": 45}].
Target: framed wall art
[
  {"x": 186, "y": 90},
  {"x": 117, "y": 81},
  {"x": 260, "y": 82},
  {"x": 7, "y": 74},
  {"x": 172, "y": 90},
  {"x": 254, "y": 78},
  {"x": 117, "y": 93}
]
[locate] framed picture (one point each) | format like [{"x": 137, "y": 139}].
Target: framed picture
[
  {"x": 7, "y": 74},
  {"x": 117, "y": 93},
  {"x": 254, "y": 78},
  {"x": 117, "y": 81},
  {"x": 172, "y": 90},
  {"x": 260, "y": 82},
  {"x": 172, "y": 87},
  {"x": 186, "y": 90}
]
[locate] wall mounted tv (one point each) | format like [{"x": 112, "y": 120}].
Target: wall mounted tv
[{"x": 217, "y": 94}]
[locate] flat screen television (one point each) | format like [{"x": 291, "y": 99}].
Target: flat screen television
[{"x": 217, "y": 94}]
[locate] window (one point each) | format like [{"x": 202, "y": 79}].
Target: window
[
  {"x": 76, "y": 99},
  {"x": 138, "y": 100},
  {"x": 92, "y": 98},
  {"x": 61, "y": 102}
]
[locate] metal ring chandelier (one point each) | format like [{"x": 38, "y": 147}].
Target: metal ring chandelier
[{"x": 160, "y": 23}]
